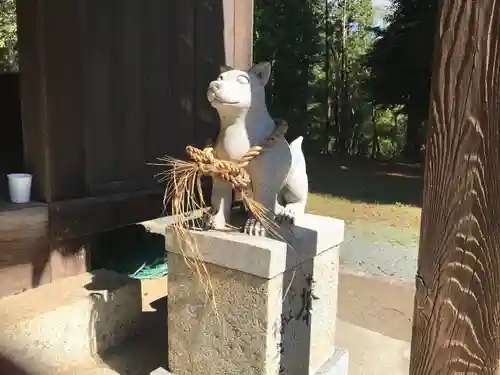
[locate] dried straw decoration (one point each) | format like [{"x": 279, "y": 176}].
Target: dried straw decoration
[{"x": 183, "y": 190}]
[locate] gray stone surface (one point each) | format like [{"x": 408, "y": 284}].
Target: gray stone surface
[
  {"x": 261, "y": 256},
  {"x": 338, "y": 364},
  {"x": 283, "y": 323},
  {"x": 160, "y": 371},
  {"x": 379, "y": 249},
  {"x": 69, "y": 321}
]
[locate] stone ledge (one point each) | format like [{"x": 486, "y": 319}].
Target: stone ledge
[
  {"x": 265, "y": 257},
  {"x": 70, "y": 320},
  {"x": 338, "y": 364},
  {"x": 160, "y": 371}
]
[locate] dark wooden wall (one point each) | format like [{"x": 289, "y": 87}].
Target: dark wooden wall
[
  {"x": 11, "y": 139},
  {"x": 122, "y": 85},
  {"x": 107, "y": 86}
]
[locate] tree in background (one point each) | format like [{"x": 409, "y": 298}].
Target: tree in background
[
  {"x": 351, "y": 37},
  {"x": 286, "y": 34},
  {"x": 8, "y": 36},
  {"x": 316, "y": 48},
  {"x": 400, "y": 64},
  {"x": 346, "y": 87}
]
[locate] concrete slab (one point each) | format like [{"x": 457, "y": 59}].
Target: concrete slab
[
  {"x": 338, "y": 364},
  {"x": 262, "y": 256},
  {"x": 69, "y": 321},
  {"x": 374, "y": 325},
  {"x": 372, "y": 353}
]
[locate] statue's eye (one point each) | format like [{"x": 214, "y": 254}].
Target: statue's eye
[
  {"x": 243, "y": 79},
  {"x": 219, "y": 78}
]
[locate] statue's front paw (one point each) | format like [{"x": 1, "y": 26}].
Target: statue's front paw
[
  {"x": 254, "y": 227},
  {"x": 212, "y": 221},
  {"x": 207, "y": 221},
  {"x": 287, "y": 216}
]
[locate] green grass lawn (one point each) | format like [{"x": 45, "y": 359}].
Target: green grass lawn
[{"x": 366, "y": 191}]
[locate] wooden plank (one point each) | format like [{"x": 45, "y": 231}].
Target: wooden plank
[
  {"x": 24, "y": 247},
  {"x": 102, "y": 135},
  {"x": 243, "y": 34},
  {"x": 70, "y": 257},
  {"x": 34, "y": 96},
  {"x": 134, "y": 142},
  {"x": 11, "y": 141},
  {"x": 229, "y": 31},
  {"x": 51, "y": 86},
  {"x": 210, "y": 56},
  {"x": 182, "y": 73},
  {"x": 156, "y": 83},
  {"x": 457, "y": 302},
  {"x": 64, "y": 84},
  {"x": 238, "y": 32},
  {"x": 131, "y": 117},
  {"x": 82, "y": 217}
]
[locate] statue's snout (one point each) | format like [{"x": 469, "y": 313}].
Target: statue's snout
[{"x": 214, "y": 86}]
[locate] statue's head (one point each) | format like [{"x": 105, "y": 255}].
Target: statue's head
[{"x": 237, "y": 89}]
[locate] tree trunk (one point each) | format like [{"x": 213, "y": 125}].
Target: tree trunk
[
  {"x": 326, "y": 131},
  {"x": 456, "y": 326},
  {"x": 375, "y": 146},
  {"x": 343, "y": 137},
  {"x": 413, "y": 140}
]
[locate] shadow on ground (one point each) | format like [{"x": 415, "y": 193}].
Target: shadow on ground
[
  {"x": 366, "y": 181},
  {"x": 145, "y": 349},
  {"x": 376, "y": 303},
  {"x": 144, "y": 353},
  {"x": 9, "y": 367},
  {"x": 123, "y": 251}
]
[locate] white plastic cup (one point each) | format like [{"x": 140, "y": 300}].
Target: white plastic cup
[{"x": 19, "y": 187}]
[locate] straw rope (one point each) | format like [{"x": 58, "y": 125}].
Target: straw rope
[
  {"x": 183, "y": 190},
  {"x": 230, "y": 171}
]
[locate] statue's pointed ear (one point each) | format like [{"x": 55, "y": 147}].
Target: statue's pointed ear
[
  {"x": 225, "y": 68},
  {"x": 262, "y": 70}
]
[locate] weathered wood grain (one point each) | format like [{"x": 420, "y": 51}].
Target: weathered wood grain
[
  {"x": 77, "y": 218},
  {"x": 456, "y": 328},
  {"x": 243, "y": 33},
  {"x": 24, "y": 247}
]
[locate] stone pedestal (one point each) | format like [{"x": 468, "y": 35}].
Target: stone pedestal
[{"x": 276, "y": 305}]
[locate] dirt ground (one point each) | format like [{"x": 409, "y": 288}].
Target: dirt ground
[
  {"x": 381, "y": 205},
  {"x": 365, "y": 190}
]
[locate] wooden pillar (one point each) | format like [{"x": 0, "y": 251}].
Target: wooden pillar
[
  {"x": 456, "y": 326},
  {"x": 222, "y": 34},
  {"x": 238, "y": 33}
]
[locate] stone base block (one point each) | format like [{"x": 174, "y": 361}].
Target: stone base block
[
  {"x": 160, "y": 371},
  {"x": 69, "y": 321},
  {"x": 267, "y": 308},
  {"x": 338, "y": 364}
]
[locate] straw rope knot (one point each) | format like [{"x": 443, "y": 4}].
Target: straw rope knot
[{"x": 230, "y": 171}]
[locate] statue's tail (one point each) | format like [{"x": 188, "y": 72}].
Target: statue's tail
[
  {"x": 297, "y": 154},
  {"x": 296, "y": 145}
]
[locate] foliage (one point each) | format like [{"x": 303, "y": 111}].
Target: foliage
[
  {"x": 401, "y": 63},
  {"x": 286, "y": 34},
  {"x": 401, "y": 59},
  {"x": 345, "y": 85},
  {"x": 8, "y": 36},
  {"x": 318, "y": 50}
]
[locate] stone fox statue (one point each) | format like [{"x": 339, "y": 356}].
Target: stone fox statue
[{"x": 278, "y": 174}]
